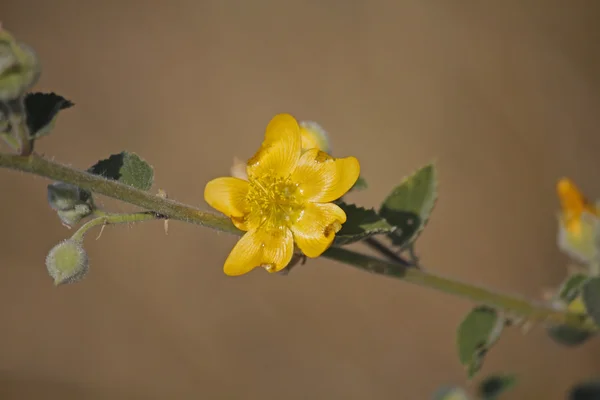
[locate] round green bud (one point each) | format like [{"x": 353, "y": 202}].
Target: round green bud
[{"x": 67, "y": 262}]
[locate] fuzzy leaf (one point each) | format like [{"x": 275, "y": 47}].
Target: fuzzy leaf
[
  {"x": 493, "y": 386},
  {"x": 360, "y": 224},
  {"x": 591, "y": 298},
  {"x": 480, "y": 329},
  {"x": 410, "y": 204},
  {"x": 42, "y": 110},
  {"x": 127, "y": 168},
  {"x": 450, "y": 393}
]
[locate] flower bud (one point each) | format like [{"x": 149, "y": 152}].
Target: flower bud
[
  {"x": 67, "y": 262},
  {"x": 71, "y": 203},
  {"x": 19, "y": 67}
]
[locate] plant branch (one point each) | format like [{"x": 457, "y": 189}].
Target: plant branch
[{"x": 177, "y": 211}]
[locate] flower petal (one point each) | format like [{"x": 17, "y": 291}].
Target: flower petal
[
  {"x": 272, "y": 249},
  {"x": 323, "y": 178},
  {"x": 228, "y": 195},
  {"x": 280, "y": 150},
  {"x": 315, "y": 230}
]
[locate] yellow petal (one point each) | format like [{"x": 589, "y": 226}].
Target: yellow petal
[
  {"x": 228, "y": 195},
  {"x": 315, "y": 230},
  {"x": 572, "y": 201},
  {"x": 322, "y": 178},
  {"x": 272, "y": 249},
  {"x": 280, "y": 150}
]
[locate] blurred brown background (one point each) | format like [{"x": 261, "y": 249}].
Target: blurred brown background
[{"x": 504, "y": 95}]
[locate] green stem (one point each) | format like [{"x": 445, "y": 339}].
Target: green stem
[
  {"x": 18, "y": 122},
  {"x": 174, "y": 210},
  {"x": 112, "y": 219}
]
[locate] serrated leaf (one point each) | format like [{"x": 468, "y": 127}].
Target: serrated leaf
[
  {"x": 493, "y": 386},
  {"x": 410, "y": 204},
  {"x": 127, "y": 168},
  {"x": 590, "y": 293},
  {"x": 450, "y": 393},
  {"x": 585, "y": 391},
  {"x": 480, "y": 329},
  {"x": 360, "y": 224},
  {"x": 361, "y": 184},
  {"x": 42, "y": 110}
]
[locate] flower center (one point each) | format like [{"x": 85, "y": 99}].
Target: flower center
[{"x": 274, "y": 200}]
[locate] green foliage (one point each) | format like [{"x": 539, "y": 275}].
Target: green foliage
[
  {"x": 480, "y": 329},
  {"x": 42, "y": 111},
  {"x": 127, "y": 168},
  {"x": 591, "y": 298},
  {"x": 493, "y": 386},
  {"x": 410, "y": 204},
  {"x": 450, "y": 393},
  {"x": 567, "y": 293},
  {"x": 361, "y": 184},
  {"x": 360, "y": 224}
]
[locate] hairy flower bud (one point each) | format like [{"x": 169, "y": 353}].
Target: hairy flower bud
[
  {"x": 67, "y": 262},
  {"x": 19, "y": 67},
  {"x": 71, "y": 203}
]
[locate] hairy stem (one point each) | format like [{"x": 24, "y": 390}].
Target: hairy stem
[
  {"x": 17, "y": 119},
  {"x": 177, "y": 211},
  {"x": 112, "y": 219}
]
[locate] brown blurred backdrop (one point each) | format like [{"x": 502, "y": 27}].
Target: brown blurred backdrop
[{"x": 504, "y": 95}]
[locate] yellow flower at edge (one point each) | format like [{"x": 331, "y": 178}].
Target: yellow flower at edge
[
  {"x": 573, "y": 204},
  {"x": 286, "y": 199}
]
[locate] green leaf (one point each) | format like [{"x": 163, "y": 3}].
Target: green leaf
[
  {"x": 493, "y": 386},
  {"x": 361, "y": 184},
  {"x": 591, "y": 298},
  {"x": 42, "y": 110},
  {"x": 410, "y": 204},
  {"x": 585, "y": 391},
  {"x": 567, "y": 336},
  {"x": 360, "y": 224},
  {"x": 480, "y": 329},
  {"x": 127, "y": 168},
  {"x": 571, "y": 287},
  {"x": 563, "y": 334},
  {"x": 450, "y": 393}
]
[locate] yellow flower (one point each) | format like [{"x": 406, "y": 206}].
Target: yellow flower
[
  {"x": 573, "y": 205},
  {"x": 286, "y": 200}
]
